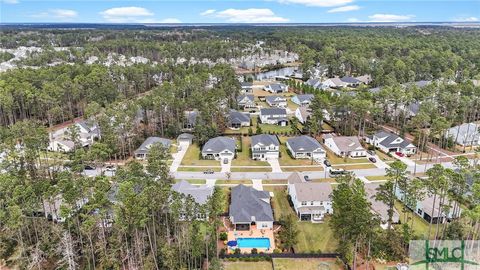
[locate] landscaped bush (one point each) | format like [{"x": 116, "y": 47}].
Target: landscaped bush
[
  {"x": 237, "y": 251},
  {"x": 223, "y": 236},
  {"x": 254, "y": 251},
  {"x": 222, "y": 252}
]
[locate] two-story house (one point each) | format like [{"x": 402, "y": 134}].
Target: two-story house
[
  {"x": 274, "y": 116},
  {"x": 303, "y": 100},
  {"x": 276, "y": 101},
  {"x": 246, "y": 101},
  {"x": 264, "y": 147}
]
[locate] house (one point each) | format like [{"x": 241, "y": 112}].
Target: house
[
  {"x": 52, "y": 208},
  {"x": 264, "y": 147},
  {"x": 247, "y": 87},
  {"x": 142, "y": 151},
  {"x": 345, "y": 146},
  {"x": 219, "y": 148},
  {"x": 465, "y": 134},
  {"x": 314, "y": 82},
  {"x": 333, "y": 83},
  {"x": 200, "y": 195},
  {"x": 305, "y": 147},
  {"x": 379, "y": 208},
  {"x": 345, "y": 81},
  {"x": 190, "y": 119},
  {"x": 238, "y": 119},
  {"x": 418, "y": 84},
  {"x": 276, "y": 101},
  {"x": 91, "y": 130},
  {"x": 85, "y": 133},
  {"x": 311, "y": 201},
  {"x": 389, "y": 142},
  {"x": 364, "y": 79},
  {"x": 439, "y": 212},
  {"x": 246, "y": 101},
  {"x": 303, "y": 114},
  {"x": 60, "y": 145},
  {"x": 250, "y": 207},
  {"x": 351, "y": 81},
  {"x": 276, "y": 88},
  {"x": 185, "y": 138},
  {"x": 274, "y": 116},
  {"x": 303, "y": 100}
]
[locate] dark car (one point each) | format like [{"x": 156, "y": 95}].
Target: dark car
[
  {"x": 209, "y": 171},
  {"x": 327, "y": 163},
  {"x": 371, "y": 152},
  {"x": 225, "y": 161},
  {"x": 89, "y": 168},
  {"x": 306, "y": 178},
  {"x": 372, "y": 159}
]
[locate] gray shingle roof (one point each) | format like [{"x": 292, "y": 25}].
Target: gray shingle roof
[
  {"x": 465, "y": 133},
  {"x": 379, "y": 207},
  {"x": 305, "y": 97},
  {"x": 236, "y": 117},
  {"x": 248, "y": 202},
  {"x": 265, "y": 139},
  {"x": 143, "y": 149},
  {"x": 251, "y": 98},
  {"x": 273, "y": 111},
  {"x": 277, "y": 87},
  {"x": 389, "y": 138},
  {"x": 304, "y": 144},
  {"x": 274, "y": 99},
  {"x": 219, "y": 144},
  {"x": 347, "y": 79},
  {"x": 199, "y": 193},
  {"x": 247, "y": 84},
  {"x": 191, "y": 117},
  {"x": 307, "y": 191}
]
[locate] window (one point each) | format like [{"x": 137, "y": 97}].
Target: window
[
  {"x": 311, "y": 203},
  {"x": 304, "y": 203}
]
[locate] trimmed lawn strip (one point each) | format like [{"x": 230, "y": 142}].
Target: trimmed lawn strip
[
  {"x": 356, "y": 166},
  {"x": 377, "y": 177},
  {"x": 193, "y": 181},
  {"x": 261, "y": 265},
  {"x": 324, "y": 180},
  {"x": 250, "y": 169},
  {"x": 334, "y": 159},
  {"x": 305, "y": 264},
  {"x": 274, "y": 182},
  {"x": 198, "y": 169},
  {"x": 233, "y": 182},
  {"x": 192, "y": 157},
  {"x": 302, "y": 169}
]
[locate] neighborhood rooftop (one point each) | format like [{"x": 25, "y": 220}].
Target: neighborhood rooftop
[
  {"x": 199, "y": 193},
  {"x": 248, "y": 202}
]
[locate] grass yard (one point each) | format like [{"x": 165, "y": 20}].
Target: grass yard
[
  {"x": 324, "y": 180},
  {"x": 193, "y": 181},
  {"x": 284, "y": 182},
  {"x": 262, "y": 265},
  {"x": 198, "y": 169},
  {"x": 250, "y": 169},
  {"x": 192, "y": 157},
  {"x": 356, "y": 166},
  {"x": 306, "y": 264},
  {"x": 243, "y": 158},
  {"x": 420, "y": 226},
  {"x": 302, "y": 169},
  {"x": 233, "y": 182},
  {"x": 376, "y": 177},
  {"x": 334, "y": 159},
  {"x": 292, "y": 106},
  {"x": 384, "y": 156},
  {"x": 266, "y": 128}
]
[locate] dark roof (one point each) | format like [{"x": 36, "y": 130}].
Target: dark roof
[
  {"x": 199, "y": 193},
  {"x": 304, "y": 144},
  {"x": 305, "y": 97},
  {"x": 247, "y": 84},
  {"x": 273, "y": 111},
  {"x": 347, "y": 79},
  {"x": 389, "y": 138},
  {"x": 248, "y": 202},
  {"x": 251, "y": 98},
  {"x": 143, "y": 149},
  {"x": 236, "y": 117},
  {"x": 273, "y": 99},
  {"x": 265, "y": 139},
  {"x": 191, "y": 117}
]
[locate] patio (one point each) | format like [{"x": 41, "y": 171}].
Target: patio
[{"x": 254, "y": 232}]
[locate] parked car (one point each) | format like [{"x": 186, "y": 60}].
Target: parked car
[
  {"x": 372, "y": 159},
  {"x": 306, "y": 178},
  {"x": 371, "y": 152},
  {"x": 209, "y": 171},
  {"x": 400, "y": 154},
  {"x": 337, "y": 172},
  {"x": 88, "y": 168},
  {"x": 225, "y": 161},
  {"x": 327, "y": 163},
  {"x": 110, "y": 168}
]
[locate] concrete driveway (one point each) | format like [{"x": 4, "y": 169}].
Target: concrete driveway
[
  {"x": 177, "y": 157},
  {"x": 405, "y": 160},
  {"x": 274, "y": 164},
  {"x": 380, "y": 163},
  {"x": 226, "y": 167},
  {"x": 257, "y": 184}
]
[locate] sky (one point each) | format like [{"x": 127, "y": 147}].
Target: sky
[{"x": 239, "y": 11}]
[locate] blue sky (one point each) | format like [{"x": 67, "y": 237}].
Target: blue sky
[{"x": 267, "y": 11}]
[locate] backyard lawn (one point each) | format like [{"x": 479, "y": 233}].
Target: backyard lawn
[
  {"x": 305, "y": 264},
  {"x": 243, "y": 158},
  {"x": 192, "y": 157},
  {"x": 262, "y": 265},
  {"x": 420, "y": 226},
  {"x": 198, "y": 169}
]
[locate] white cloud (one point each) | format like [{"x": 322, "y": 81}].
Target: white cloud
[
  {"x": 390, "y": 18},
  {"x": 166, "y": 20},
  {"x": 59, "y": 14},
  {"x": 344, "y": 9},
  {"x": 208, "y": 12},
  {"x": 466, "y": 19},
  {"x": 251, "y": 15},
  {"x": 126, "y": 14},
  {"x": 353, "y": 20},
  {"x": 10, "y": 1},
  {"x": 318, "y": 3}
]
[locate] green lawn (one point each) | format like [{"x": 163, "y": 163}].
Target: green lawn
[
  {"x": 192, "y": 157},
  {"x": 262, "y": 265},
  {"x": 250, "y": 169},
  {"x": 420, "y": 226},
  {"x": 244, "y": 159},
  {"x": 305, "y": 264},
  {"x": 234, "y": 182},
  {"x": 334, "y": 159},
  {"x": 292, "y": 106},
  {"x": 383, "y": 156},
  {"x": 355, "y": 166},
  {"x": 271, "y": 181},
  {"x": 266, "y": 128},
  {"x": 286, "y": 159},
  {"x": 312, "y": 237},
  {"x": 193, "y": 181},
  {"x": 198, "y": 169},
  {"x": 302, "y": 169},
  {"x": 324, "y": 180},
  {"x": 376, "y": 177}
]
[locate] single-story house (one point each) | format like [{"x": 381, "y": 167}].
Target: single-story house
[
  {"x": 276, "y": 88},
  {"x": 389, "y": 142},
  {"x": 365, "y": 79},
  {"x": 311, "y": 201},
  {"x": 333, "y": 83},
  {"x": 246, "y": 101},
  {"x": 276, "y": 101},
  {"x": 303, "y": 114},
  {"x": 219, "y": 148},
  {"x": 199, "y": 193},
  {"x": 247, "y": 87},
  {"x": 345, "y": 146},
  {"x": 305, "y": 147},
  {"x": 378, "y": 207},
  {"x": 190, "y": 119},
  {"x": 265, "y": 146},
  {"x": 60, "y": 140},
  {"x": 467, "y": 134},
  {"x": 303, "y": 100},
  {"x": 142, "y": 151},
  {"x": 274, "y": 116},
  {"x": 426, "y": 209},
  {"x": 238, "y": 119},
  {"x": 60, "y": 145},
  {"x": 314, "y": 82},
  {"x": 250, "y": 207},
  {"x": 185, "y": 138}
]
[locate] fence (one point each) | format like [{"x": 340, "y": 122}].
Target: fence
[{"x": 282, "y": 255}]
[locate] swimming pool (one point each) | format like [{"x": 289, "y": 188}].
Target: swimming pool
[{"x": 253, "y": 242}]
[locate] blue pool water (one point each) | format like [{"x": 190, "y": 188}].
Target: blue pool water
[{"x": 253, "y": 242}]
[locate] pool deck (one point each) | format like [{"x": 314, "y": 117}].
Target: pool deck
[{"x": 252, "y": 233}]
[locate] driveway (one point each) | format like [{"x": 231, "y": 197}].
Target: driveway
[
  {"x": 274, "y": 164},
  {"x": 257, "y": 184},
  {"x": 405, "y": 160},
  {"x": 380, "y": 163},
  {"x": 177, "y": 157},
  {"x": 226, "y": 167}
]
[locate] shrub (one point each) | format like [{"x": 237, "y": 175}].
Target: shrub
[
  {"x": 237, "y": 251},
  {"x": 254, "y": 251},
  {"x": 276, "y": 251},
  {"x": 223, "y": 236},
  {"x": 222, "y": 252}
]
